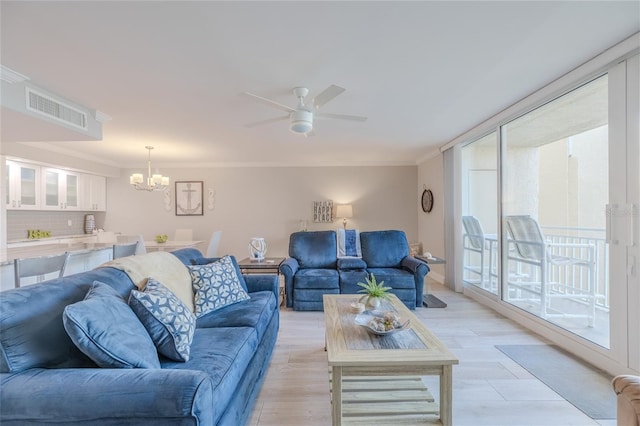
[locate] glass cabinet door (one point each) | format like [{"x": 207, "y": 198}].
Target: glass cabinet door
[
  {"x": 51, "y": 189},
  {"x": 72, "y": 190}
]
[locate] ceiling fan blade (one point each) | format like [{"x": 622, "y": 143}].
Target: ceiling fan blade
[
  {"x": 325, "y": 96},
  {"x": 341, "y": 116},
  {"x": 270, "y": 102},
  {"x": 267, "y": 121}
]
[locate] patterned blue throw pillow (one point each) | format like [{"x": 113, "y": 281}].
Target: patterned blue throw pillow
[
  {"x": 216, "y": 285},
  {"x": 167, "y": 319}
]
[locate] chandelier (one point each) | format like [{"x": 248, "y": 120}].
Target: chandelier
[{"x": 155, "y": 182}]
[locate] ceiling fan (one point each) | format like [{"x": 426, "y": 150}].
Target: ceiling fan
[{"x": 301, "y": 117}]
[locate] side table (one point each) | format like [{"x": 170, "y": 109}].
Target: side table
[
  {"x": 269, "y": 265},
  {"x": 429, "y": 300}
]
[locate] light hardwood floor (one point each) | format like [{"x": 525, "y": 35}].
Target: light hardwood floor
[{"x": 488, "y": 387}]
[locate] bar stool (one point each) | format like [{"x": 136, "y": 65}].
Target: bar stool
[
  {"x": 39, "y": 267},
  {"x": 122, "y": 250}
]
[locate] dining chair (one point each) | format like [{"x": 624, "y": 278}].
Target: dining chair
[
  {"x": 183, "y": 235},
  {"x": 528, "y": 246},
  {"x": 39, "y": 267},
  {"x": 123, "y": 250},
  {"x": 139, "y": 239},
  {"x": 106, "y": 237},
  {"x": 214, "y": 242}
]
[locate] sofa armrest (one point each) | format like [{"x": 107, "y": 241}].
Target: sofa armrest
[
  {"x": 419, "y": 269},
  {"x": 627, "y": 388},
  {"x": 288, "y": 269},
  {"x": 345, "y": 263},
  {"x": 413, "y": 265},
  {"x": 98, "y": 395},
  {"x": 259, "y": 282}
]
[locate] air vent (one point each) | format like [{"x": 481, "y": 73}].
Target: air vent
[{"x": 52, "y": 108}]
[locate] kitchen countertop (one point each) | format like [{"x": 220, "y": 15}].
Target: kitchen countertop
[{"x": 7, "y": 256}]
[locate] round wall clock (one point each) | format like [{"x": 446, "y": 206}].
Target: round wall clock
[{"x": 427, "y": 200}]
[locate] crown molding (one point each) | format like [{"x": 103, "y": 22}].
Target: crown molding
[{"x": 11, "y": 76}]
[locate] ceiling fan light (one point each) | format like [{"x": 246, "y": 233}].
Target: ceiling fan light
[{"x": 301, "y": 121}]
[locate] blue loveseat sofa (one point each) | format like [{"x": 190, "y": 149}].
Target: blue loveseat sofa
[
  {"x": 313, "y": 268},
  {"x": 45, "y": 379}
]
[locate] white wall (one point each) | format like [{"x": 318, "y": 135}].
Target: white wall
[
  {"x": 270, "y": 202},
  {"x": 431, "y": 225}
]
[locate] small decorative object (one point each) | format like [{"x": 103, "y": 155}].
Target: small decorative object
[
  {"x": 374, "y": 292},
  {"x": 189, "y": 198},
  {"x": 257, "y": 248},
  {"x": 322, "y": 211},
  {"x": 34, "y": 234},
  {"x": 162, "y": 238},
  {"x": 211, "y": 197},
  {"x": 427, "y": 200},
  {"x": 381, "y": 324},
  {"x": 303, "y": 226},
  {"x": 357, "y": 307},
  {"x": 89, "y": 223},
  {"x": 167, "y": 199}
]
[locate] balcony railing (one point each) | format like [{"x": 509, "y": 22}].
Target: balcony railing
[{"x": 561, "y": 239}]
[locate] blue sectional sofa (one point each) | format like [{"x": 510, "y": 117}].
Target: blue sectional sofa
[
  {"x": 313, "y": 268},
  {"x": 45, "y": 379}
]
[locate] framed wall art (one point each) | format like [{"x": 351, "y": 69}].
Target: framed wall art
[
  {"x": 189, "y": 199},
  {"x": 322, "y": 211}
]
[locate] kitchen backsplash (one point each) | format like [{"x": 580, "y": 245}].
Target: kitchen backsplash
[{"x": 19, "y": 222}]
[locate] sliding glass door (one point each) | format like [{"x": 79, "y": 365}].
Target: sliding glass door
[
  {"x": 555, "y": 192},
  {"x": 480, "y": 213}
]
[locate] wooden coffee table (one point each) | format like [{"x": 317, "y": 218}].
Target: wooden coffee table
[{"x": 354, "y": 354}]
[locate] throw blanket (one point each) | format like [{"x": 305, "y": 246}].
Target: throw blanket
[
  {"x": 163, "y": 267},
  {"x": 349, "y": 243}
]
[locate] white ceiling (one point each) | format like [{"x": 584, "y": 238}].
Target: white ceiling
[{"x": 170, "y": 73}]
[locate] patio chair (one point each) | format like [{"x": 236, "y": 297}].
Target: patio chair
[
  {"x": 473, "y": 242},
  {"x": 527, "y": 245}
]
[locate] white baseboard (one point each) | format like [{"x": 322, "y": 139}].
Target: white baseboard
[{"x": 436, "y": 277}]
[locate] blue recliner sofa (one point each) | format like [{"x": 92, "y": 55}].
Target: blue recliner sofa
[
  {"x": 313, "y": 268},
  {"x": 46, "y": 379}
]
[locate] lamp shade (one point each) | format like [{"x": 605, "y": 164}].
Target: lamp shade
[{"x": 344, "y": 210}]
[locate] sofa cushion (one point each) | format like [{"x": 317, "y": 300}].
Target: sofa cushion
[
  {"x": 167, "y": 319},
  {"x": 206, "y": 260},
  {"x": 317, "y": 249},
  {"x": 105, "y": 329},
  {"x": 224, "y": 353},
  {"x": 36, "y": 337},
  {"x": 316, "y": 279},
  {"x": 384, "y": 249},
  {"x": 216, "y": 285},
  {"x": 394, "y": 278},
  {"x": 255, "y": 312}
]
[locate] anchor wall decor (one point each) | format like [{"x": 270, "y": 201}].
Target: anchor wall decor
[{"x": 189, "y": 200}]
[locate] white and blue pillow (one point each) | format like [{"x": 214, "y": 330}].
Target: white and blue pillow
[
  {"x": 216, "y": 285},
  {"x": 105, "y": 329},
  {"x": 166, "y": 318}
]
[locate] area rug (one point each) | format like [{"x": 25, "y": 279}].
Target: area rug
[
  {"x": 430, "y": 301},
  {"x": 587, "y": 388}
]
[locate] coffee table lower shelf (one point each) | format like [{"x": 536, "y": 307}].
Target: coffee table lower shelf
[{"x": 382, "y": 400}]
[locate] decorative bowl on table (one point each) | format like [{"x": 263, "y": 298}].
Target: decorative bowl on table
[
  {"x": 161, "y": 238},
  {"x": 381, "y": 324}
]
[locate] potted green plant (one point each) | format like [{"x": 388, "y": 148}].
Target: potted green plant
[{"x": 374, "y": 292}]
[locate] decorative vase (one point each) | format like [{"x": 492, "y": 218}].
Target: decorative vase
[
  {"x": 257, "y": 248},
  {"x": 371, "y": 303}
]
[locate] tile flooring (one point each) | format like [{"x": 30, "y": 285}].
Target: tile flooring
[{"x": 488, "y": 387}]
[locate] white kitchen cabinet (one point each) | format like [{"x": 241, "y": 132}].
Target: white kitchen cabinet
[
  {"x": 23, "y": 186},
  {"x": 94, "y": 193},
  {"x": 60, "y": 189}
]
